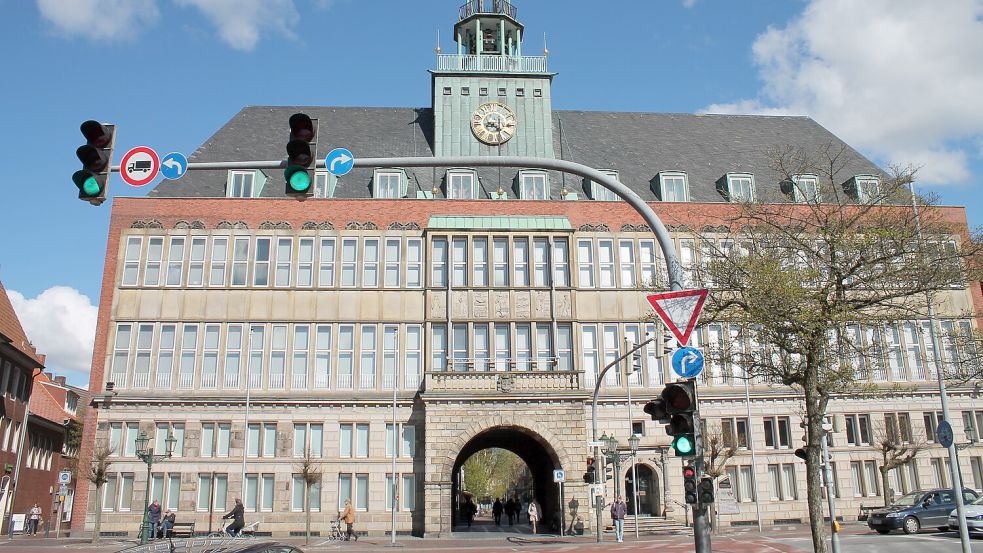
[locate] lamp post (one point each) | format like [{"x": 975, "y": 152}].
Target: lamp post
[
  {"x": 148, "y": 456},
  {"x": 633, "y": 445}
]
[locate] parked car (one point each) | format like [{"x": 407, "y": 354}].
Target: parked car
[
  {"x": 917, "y": 510},
  {"x": 974, "y": 517}
]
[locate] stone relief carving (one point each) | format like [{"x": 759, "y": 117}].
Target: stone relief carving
[
  {"x": 627, "y": 227},
  {"x": 438, "y": 309},
  {"x": 315, "y": 225},
  {"x": 403, "y": 226},
  {"x": 189, "y": 225},
  {"x": 150, "y": 223},
  {"x": 542, "y": 305},
  {"x": 563, "y": 305},
  {"x": 480, "y": 305},
  {"x": 522, "y": 305},
  {"x": 502, "y": 310},
  {"x": 589, "y": 227},
  {"x": 678, "y": 228},
  {"x": 275, "y": 225},
  {"x": 460, "y": 304},
  {"x": 360, "y": 225},
  {"x": 232, "y": 225}
]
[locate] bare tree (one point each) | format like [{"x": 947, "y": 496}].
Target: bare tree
[
  {"x": 897, "y": 450},
  {"x": 813, "y": 276},
  {"x": 98, "y": 474},
  {"x": 717, "y": 451},
  {"x": 309, "y": 469}
]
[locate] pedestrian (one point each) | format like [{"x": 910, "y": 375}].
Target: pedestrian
[
  {"x": 348, "y": 515},
  {"x": 469, "y": 510},
  {"x": 533, "y": 515},
  {"x": 167, "y": 523},
  {"x": 33, "y": 520},
  {"x": 510, "y": 510},
  {"x": 153, "y": 519},
  {"x": 238, "y": 516},
  {"x": 497, "y": 511},
  {"x": 618, "y": 511}
]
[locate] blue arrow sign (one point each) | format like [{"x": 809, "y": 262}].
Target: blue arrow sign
[
  {"x": 173, "y": 166},
  {"x": 339, "y": 161},
  {"x": 687, "y": 362}
]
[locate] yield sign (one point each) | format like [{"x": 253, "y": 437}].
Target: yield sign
[{"x": 680, "y": 311}]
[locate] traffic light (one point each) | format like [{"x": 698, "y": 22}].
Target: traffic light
[
  {"x": 301, "y": 150},
  {"x": 690, "y": 485},
  {"x": 657, "y": 410},
  {"x": 668, "y": 342},
  {"x": 679, "y": 399},
  {"x": 636, "y": 362},
  {"x": 608, "y": 471},
  {"x": 96, "y": 157},
  {"x": 706, "y": 490},
  {"x": 802, "y": 453},
  {"x": 591, "y": 475}
]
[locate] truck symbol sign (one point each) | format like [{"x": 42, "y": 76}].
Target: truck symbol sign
[{"x": 143, "y": 166}]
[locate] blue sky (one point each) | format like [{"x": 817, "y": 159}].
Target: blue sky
[{"x": 170, "y": 72}]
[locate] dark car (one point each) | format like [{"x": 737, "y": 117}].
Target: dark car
[{"x": 917, "y": 510}]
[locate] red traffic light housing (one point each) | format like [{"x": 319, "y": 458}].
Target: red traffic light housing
[
  {"x": 690, "y": 485},
  {"x": 657, "y": 410},
  {"x": 96, "y": 157},
  {"x": 591, "y": 475},
  {"x": 301, "y": 153},
  {"x": 680, "y": 397}
]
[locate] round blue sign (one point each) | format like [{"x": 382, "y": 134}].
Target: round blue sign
[
  {"x": 944, "y": 434},
  {"x": 173, "y": 166},
  {"x": 339, "y": 161},
  {"x": 687, "y": 362}
]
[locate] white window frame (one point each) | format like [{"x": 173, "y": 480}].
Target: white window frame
[
  {"x": 535, "y": 178},
  {"x": 800, "y": 195},
  {"x": 131, "y": 261},
  {"x": 664, "y": 177},
  {"x": 454, "y": 189},
  {"x": 379, "y": 191},
  {"x": 239, "y": 190},
  {"x": 600, "y": 193},
  {"x": 861, "y": 182},
  {"x": 731, "y": 195}
]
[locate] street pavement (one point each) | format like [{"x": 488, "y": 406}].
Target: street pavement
[{"x": 786, "y": 539}]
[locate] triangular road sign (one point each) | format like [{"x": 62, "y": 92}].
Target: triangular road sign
[{"x": 680, "y": 311}]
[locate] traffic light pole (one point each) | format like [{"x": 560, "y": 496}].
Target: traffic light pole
[
  {"x": 599, "y": 502},
  {"x": 701, "y": 524}
]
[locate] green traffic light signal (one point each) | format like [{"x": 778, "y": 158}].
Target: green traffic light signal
[
  {"x": 683, "y": 445},
  {"x": 298, "y": 178},
  {"x": 87, "y": 184}
]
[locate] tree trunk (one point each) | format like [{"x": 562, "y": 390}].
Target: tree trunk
[
  {"x": 307, "y": 513},
  {"x": 97, "y": 524},
  {"x": 814, "y": 493},
  {"x": 884, "y": 484}
]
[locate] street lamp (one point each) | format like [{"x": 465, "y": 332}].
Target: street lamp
[
  {"x": 633, "y": 445},
  {"x": 147, "y": 455},
  {"x": 611, "y": 452}
]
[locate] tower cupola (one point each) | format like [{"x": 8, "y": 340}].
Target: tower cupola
[{"x": 488, "y": 28}]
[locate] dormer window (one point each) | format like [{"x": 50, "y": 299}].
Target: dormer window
[
  {"x": 602, "y": 194},
  {"x": 533, "y": 185},
  {"x": 461, "y": 184},
  {"x": 241, "y": 184},
  {"x": 867, "y": 188},
  {"x": 673, "y": 186},
  {"x": 324, "y": 184},
  {"x": 388, "y": 183},
  {"x": 740, "y": 187},
  {"x": 805, "y": 189}
]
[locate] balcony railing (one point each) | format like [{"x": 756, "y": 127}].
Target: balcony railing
[
  {"x": 486, "y": 6},
  {"x": 492, "y": 63},
  {"x": 513, "y": 375}
]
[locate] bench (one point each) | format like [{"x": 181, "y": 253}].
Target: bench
[
  {"x": 865, "y": 511},
  {"x": 183, "y": 530}
]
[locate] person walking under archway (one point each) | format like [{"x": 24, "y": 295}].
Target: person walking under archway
[
  {"x": 497, "y": 508},
  {"x": 533, "y": 515}
]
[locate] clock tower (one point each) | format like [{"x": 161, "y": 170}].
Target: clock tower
[{"x": 488, "y": 98}]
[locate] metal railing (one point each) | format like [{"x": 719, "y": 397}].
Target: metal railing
[
  {"x": 473, "y": 7},
  {"x": 510, "y": 380},
  {"x": 492, "y": 63}
]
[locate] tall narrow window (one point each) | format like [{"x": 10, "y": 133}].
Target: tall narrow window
[
  {"x": 370, "y": 263},
  {"x": 459, "y": 258},
  {"x": 626, "y": 256},
  {"x": 589, "y": 345},
  {"x": 305, "y": 262},
  {"x": 913, "y": 351},
  {"x": 502, "y": 347},
  {"x": 141, "y": 369},
  {"x": 368, "y": 357},
  {"x": 284, "y": 255},
  {"x": 196, "y": 267},
  {"x": 413, "y": 357},
  {"x": 257, "y": 345},
  {"x": 219, "y": 260},
  {"x": 165, "y": 356},
  {"x": 500, "y": 260},
  {"x": 322, "y": 357},
  {"x": 480, "y": 261},
  {"x": 175, "y": 261},
  {"x": 439, "y": 263},
  {"x": 233, "y": 355},
  {"x": 346, "y": 355},
  {"x": 326, "y": 260},
  {"x": 523, "y": 347},
  {"x": 209, "y": 357},
  {"x": 648, "y": 259},
  {"x": 561, "y": 262},
  {"x": 349, "y": 261},
  {"x": 564, "y": 347},
  {"x": 605, "y": 263},
  {"x": 585, "y": 260},
  {"x": 390, "y": 355},
  {"x": 261, "y": 266},
  {"x": 459, "y": 339},
  {"x": 541, "y": 262},
  {"x": 155, "y": 253},
  {"x": 393, "y": 252},
  {"x": 240, "y": 260},
  {"x": 521, "y": 261},
  {"x": 189, "y": 347},
  {"x": 362, "y": 440},
  {"x": 278, "y": 357},
  {"x": 131, "y": 260},
  {"x": 299, "y": 359},
  {"x": 544, "y": 351},
  {"x": 481, "y": 347},
  {"x": 414, "y": 262},
  {"x": 438, "y": 347}
]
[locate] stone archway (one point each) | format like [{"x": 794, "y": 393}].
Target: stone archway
[
  {"x": 546, "y": 435},
  {"x": 648, "y": 490}
]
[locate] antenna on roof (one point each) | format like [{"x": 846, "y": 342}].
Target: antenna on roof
[
  {"x": 546, "y": 51},
  {"x": 437, "y": 49}
]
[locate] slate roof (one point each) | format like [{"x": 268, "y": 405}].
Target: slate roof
[
  {"x": 637, "y": 145},
  {"x": 12, "y": 332}
]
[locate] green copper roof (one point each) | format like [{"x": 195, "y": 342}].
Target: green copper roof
[{"x": 498, "y": 223}]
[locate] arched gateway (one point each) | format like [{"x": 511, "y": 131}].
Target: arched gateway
[{"x": 545, "y": 435}]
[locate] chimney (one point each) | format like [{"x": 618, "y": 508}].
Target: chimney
[
  {"x": 60, "y": 380},
  {"x": 49, "y": 375},
  {"x": 41, "y": 357}
]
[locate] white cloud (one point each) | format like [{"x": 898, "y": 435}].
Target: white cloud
[
  {"x": 689, "y": 3},
  {"x": 240, "y": 22},
  {"x": 898, "y": 79},
  {"x": 61, "y": 323},
  {"x": 99, "y": 19}
]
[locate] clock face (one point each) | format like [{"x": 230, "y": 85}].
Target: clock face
[{"x": 493, "y": 123}]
